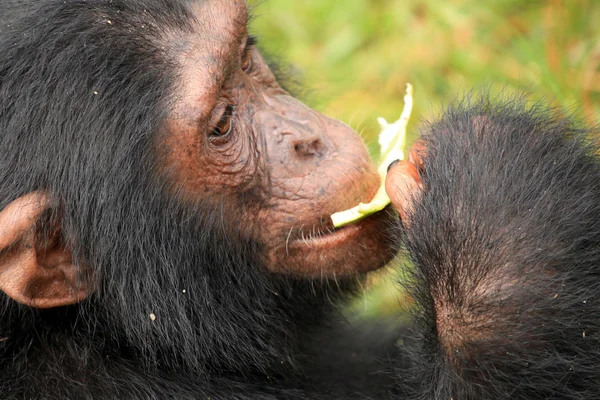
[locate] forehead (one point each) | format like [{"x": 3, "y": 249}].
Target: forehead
[
  {"x": 210, "y": 52},
  {"x": 218, "y": 18}
]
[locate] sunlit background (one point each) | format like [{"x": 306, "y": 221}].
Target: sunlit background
[{"x": 355, "y": 56}]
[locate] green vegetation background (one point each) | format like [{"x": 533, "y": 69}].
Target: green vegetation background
[{"x": 355, "y": 56}]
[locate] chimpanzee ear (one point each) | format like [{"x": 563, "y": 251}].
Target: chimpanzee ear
[{"x": 36, "y": 268}]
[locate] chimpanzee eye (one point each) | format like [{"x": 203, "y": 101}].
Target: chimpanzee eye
[
  {"x": 224, "y": 127},
  {"x": 247, "y": 56},
  {"x": 247, "y": 61}
]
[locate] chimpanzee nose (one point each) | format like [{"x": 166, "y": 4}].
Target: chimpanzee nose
[
  {"x": 308, "y": 148},
  {"x": 292, "y": 128},
  {"x": 296, "y": 137}
]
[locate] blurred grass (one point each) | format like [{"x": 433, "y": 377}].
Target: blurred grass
[{"x": 355, "y": 57}]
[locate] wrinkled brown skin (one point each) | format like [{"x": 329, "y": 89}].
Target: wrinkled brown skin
[{"x": 285, "y": 167}]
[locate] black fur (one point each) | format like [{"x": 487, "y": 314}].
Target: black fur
[
  {"x": 509, "y": 218},
  {"x": 506, "y": 240}
]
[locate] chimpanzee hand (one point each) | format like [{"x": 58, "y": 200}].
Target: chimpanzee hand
[{"x": 403, "y": 180}]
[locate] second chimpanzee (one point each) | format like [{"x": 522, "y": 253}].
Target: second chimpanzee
[{"x": 165, "y": 233}]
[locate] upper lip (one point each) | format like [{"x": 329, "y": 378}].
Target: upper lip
[
  {"x": 313, "y": 230},
  {"x": 316, "y": 230}
]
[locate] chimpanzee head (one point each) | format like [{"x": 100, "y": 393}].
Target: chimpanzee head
[{"x": 153, "y": 166}]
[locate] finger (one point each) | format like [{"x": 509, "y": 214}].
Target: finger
[
  {"x": 417, "y": 154},
  {"x": 402, "y": 184}
]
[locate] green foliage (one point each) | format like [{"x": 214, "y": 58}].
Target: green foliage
[{"x": 356, "y": 56}]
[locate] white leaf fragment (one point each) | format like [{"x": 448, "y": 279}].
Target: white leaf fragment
[{"x": 392, "y": 141}]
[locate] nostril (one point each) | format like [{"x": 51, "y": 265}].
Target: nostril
[{"x": 308, "y": 148}]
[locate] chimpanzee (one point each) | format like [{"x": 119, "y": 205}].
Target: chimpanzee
[{"x": 165, "y": 232}]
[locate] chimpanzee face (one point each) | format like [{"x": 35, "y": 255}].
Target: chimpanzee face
[
  {"x": 168, "y": 150},
  {"x": 237, "y": 136}
]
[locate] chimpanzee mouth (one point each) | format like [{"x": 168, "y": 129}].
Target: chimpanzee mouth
[
  {"x": 321, "y": 251},
  {"x": 326, "y": 235}
]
